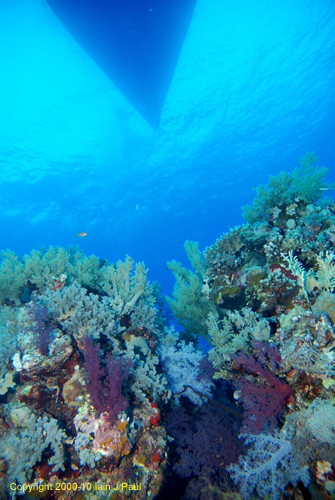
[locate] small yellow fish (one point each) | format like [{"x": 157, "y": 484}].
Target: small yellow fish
[{"x": 82, "y": 233}]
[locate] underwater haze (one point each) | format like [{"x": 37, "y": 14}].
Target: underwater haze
[
  {"x": 110, "y": 389},
  {"x": 253, "y": 91}
]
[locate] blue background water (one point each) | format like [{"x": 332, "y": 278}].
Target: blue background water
[{"x": 252, "y": 92}]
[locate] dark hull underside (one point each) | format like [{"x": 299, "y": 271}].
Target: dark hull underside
[{"x": 135, "y": 42}]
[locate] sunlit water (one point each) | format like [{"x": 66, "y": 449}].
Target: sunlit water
[{"x": 252, "y": 92}]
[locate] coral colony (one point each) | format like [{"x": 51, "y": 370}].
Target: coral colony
[{"x": 100, "y": 397}]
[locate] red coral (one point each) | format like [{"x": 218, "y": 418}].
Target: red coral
[
  {"x": 264, "y": 395},
  {"x": 283, "y": 269},
  {"x": 155, "y": 418}
]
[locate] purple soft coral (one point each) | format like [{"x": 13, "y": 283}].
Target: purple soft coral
[
  {"x": 42, "y": 325},
  {"x": 105, "y": 395},
  {"x": 207, "y": 441},
  {"x": 263, "y": 394}
]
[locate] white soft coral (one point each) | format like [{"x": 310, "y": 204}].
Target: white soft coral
[{"x": 268, "y": 467}]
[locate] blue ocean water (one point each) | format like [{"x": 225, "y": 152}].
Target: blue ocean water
[{"x": 253, "y": 91}]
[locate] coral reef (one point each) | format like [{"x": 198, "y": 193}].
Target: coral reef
[
  {"x": 100, "y": 397},
  {"x": 270, "y": 320},
  {"x": 303, "y": 184},
  {"x": 81, "y": 387}
]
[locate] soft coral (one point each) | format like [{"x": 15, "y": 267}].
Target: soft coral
[
  {"x": 105, "y": 384},
  {"x": 264, "y": 395}
]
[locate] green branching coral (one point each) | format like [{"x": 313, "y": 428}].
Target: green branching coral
[
  {"x": 13, "y": 276},
  {"x": 190, "y": 304},
  {"x": 195, "y": 256},
  {"x": 305, "y": 184},
  {"x": 41, "y": 267},
  {"x": 127, "y": 292},
  {"x": 234, "y": 333},
  {"x": 126, "y": 287},
  {"x": 8, "y": 334}
]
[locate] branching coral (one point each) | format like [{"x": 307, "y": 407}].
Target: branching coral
[
  {"x": 106, "y": 395},
  {"x": 125, "y": 287},
  {"x": 41, "y": 324},
  {"x": 114, "y": 306},
  {"x": 39, "y": 269},
  {"x": 190, "y": 304},
  {"x": 307, "y": 346},
  {"x": 263, "y": 394},
  {"x": 79, "y": 313},
  {"x": 311, "y": 431},
  {"x": 207, "y": 441},
  {"x": 236, "y": 332},
  {"x": 228, "y": 242},
  {"x": 8, "y": 335},
  {"x": 268, "y": 467},
  {"x": 323, "y": 278},
  {"x": 42, "y": 265},
  {"x": 182, "y": 366},
  {"x": 146, "y": 379},
  {"x": 13, "y": 276},
  {"x": 304, "y": 184},
  {"x": 45, "y": 366},
  {"x": 23, "y": 448},
  {"x": 273, "y": 292}
]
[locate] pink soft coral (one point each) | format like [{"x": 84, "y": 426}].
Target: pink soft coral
[{"x": 263, "y": 394}]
